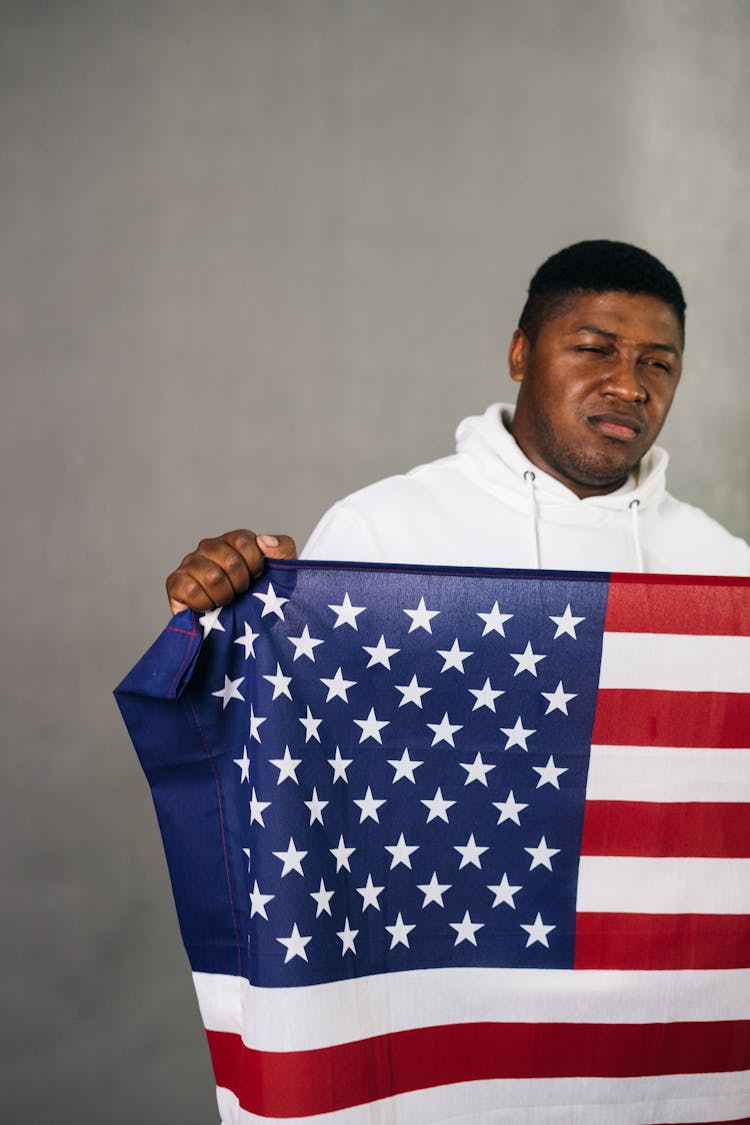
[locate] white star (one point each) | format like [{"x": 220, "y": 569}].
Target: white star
[
  {"x": 470, "y": 853},
  {"x": 287, "y": 766},
  {"x": 280, "y": 683},
  {"x": 246, "y": 852},
  {"x": 485, "y": 696},
  {"x": 210, "y": 620},
  {"x": 230, "y": 690},
  {"x": 337, "y": 687},
  {"x": 541, "y": 855},
  {"x": 453, "y": 657},
  {"x": 311, "y": 725},
  {"x": 444, "y": 731},
  {"x": 401, "y": 852},
  {"x": 476, "y": 771},
  {"x": 255, "y": 723},
  {"x": 341, "y": 854},
  {"x": 433, "y": 891},
  {"x": 368, "y": 807},
  {"x": 566, "y": 624},
  {"x": 412, "y": 692},
  {"x": 370, "y": 894},
  {"x": 557, "y": 700},
  {"x": 466, "y": 929},
  {"x": 347, "y": 936},
  {"x": 494, "y": 621},
  {"x": 248, "y": 641},
  {"x": 322, "y": 898},
  {"x": 549, "y": 774},
  {"x": 527, "y": 660},
  {"x": 404, "y": 767},
  {"x": 509, "y": 809},
  {"x": 371, "y": 727},
  {"x": 339, "y": 766},
  {"x": 438, "y": 807},
  {"x": 256, "y": 809},
  {"x": 291, "y": 859},
  {"x": 504, "y": 892},
  {"x": 272, "y": 603},
  {"x": 316, "y": 806},
  {"x": 399, "y": 932},
  {"x": 517, "y": 735},
  {"x": 304, "y": 645},
  {"x": 244, "y": 764},
  {"x": 537, "y": 931},
  {"x": 381, "y": 654},
  {"x": 421, "y": 617},
  {"x": 295, "y": 944},
  {"x": 258, "y": 902},
  {"x": 346, "y": 613}
]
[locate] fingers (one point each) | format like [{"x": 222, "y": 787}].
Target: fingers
[
  {"x": 220, "y": 569},
  {"x": 244, "y": 544},
  {"x": 277, "y": 546},
  {"x": 174, "y": 605},
  {"x": 215, "y": 572}
]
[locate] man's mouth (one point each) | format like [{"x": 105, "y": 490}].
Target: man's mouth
[{"x": 621, "y": 427}]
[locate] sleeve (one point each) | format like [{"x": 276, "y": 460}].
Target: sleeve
[{"x": 343, "y": 534}]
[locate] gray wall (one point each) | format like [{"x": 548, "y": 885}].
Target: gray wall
[{"x": 255, "y": 254}]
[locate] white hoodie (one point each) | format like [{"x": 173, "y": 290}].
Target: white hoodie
[{"x": 488, "y": 505}]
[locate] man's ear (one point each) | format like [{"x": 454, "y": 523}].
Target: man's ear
[{"x": 518, "y": 356}]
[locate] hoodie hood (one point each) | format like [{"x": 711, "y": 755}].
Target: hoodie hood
[
  {"x": 487, "y": 505},
  {"x": 492, "y": 458}
]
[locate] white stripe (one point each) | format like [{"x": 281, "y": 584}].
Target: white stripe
[
  {"x": 666, "y": 773},
  {"x": 549, "y": 1101},
  {"x": 670, "y": 662},
  {"x": 664, "y": 886},
  {"x": 323, "y": 1015}
]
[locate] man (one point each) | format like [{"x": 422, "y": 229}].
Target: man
[{"x": 570, "y": 480}]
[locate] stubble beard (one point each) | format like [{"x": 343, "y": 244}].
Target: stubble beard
[{"x": 588, "y": 469}]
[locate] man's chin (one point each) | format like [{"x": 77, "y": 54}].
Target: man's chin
[{"x": 597, "y": 475}]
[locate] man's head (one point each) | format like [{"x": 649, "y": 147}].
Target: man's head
[
  {"x": 598, "y": 355},
  {"x": 597, "y": 266}
]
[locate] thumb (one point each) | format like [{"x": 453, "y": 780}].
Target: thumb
[{"x": 277, "y": 546}]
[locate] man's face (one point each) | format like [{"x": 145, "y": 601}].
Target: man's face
[{"x": 595, "y": 387}]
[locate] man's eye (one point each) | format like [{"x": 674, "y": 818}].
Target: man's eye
[
  {"x": 659, "y": 364},
  {"x": 591, "y": 348}
]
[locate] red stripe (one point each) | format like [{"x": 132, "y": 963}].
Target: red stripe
[
  {"x": 662, "y": 941},
  {"x": 627, "y": 717},
  {"x": 724, "y": 1121},
  {"x": 670, "y": 603},
  {"x": 302, "y": 1083},
  {"x": 669, "y": 829}
]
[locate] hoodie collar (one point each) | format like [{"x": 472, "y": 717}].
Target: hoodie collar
[{"x": 487, "y": 442}]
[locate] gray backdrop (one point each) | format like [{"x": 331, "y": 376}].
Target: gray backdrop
[{"x": 256, "y": 254}]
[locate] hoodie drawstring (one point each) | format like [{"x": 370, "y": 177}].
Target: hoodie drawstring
[
  {"x": 634, "y": 508},
  {"x": 530, "y": 477}
]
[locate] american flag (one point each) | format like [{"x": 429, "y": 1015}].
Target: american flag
[{"x": 461, "y": 846}]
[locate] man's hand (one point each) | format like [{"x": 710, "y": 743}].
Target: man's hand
[{"x": 218, "y": 570}]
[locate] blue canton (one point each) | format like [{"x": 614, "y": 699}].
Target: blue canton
[{"x": 411, "y": 752}]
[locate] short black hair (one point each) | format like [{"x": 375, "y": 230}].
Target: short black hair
[{"x": 597, "y": 266}]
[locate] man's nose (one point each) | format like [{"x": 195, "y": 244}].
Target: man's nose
[{"x": 624, "y": 380}]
